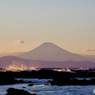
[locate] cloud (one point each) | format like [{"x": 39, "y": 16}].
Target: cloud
[
  {"x": 19, "y": 42},
  {"x": 89, "y": 50},
  {"x": 3, "y": 51}
]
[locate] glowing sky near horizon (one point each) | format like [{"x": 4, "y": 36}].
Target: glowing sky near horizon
[{"x": 68, "y": 23}]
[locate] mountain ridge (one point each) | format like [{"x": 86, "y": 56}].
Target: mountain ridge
[
  {"x": 47, "y": 55},
  {"x": 16, "y": 61}
]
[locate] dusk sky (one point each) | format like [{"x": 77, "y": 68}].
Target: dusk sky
[{"x": 25, "y": 24}]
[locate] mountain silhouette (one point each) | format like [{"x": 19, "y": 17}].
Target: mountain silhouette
[
  {"x": 7, "y": 61},
  {"x": 51, "y": 52},
  {"x": 47, "y": 55},
  {"x": 13, "y": 61}
]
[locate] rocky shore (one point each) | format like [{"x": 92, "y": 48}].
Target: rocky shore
[
  {"x": 59, "y": 78},
  {"x": 13, "y": 91}
]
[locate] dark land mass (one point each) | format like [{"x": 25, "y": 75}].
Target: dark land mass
[
  {"x": 59, "y": 78},
  {"x": 12, "y": 91},
  {"x": 7, "y": 79},
  {"x": 72, "y": 82}
]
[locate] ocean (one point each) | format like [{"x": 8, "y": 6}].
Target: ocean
[{"x": 43, "y": 87}]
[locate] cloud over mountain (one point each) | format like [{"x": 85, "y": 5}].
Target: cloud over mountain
[
  {"x": 19, "y": 42},
  {"x": 89, "y": 50}
]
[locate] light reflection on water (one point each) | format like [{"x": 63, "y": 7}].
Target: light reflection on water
[{"x": 42, "y": 89}]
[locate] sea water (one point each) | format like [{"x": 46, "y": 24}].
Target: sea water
[{"x": 43, "y": 87}]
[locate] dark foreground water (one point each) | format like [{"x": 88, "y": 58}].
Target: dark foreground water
[{"x": 42, "y": 87}]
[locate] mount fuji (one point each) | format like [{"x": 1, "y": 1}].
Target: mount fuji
[
  {"x": 51, "y": 52},
  {"x": 47, "y": 55}
]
